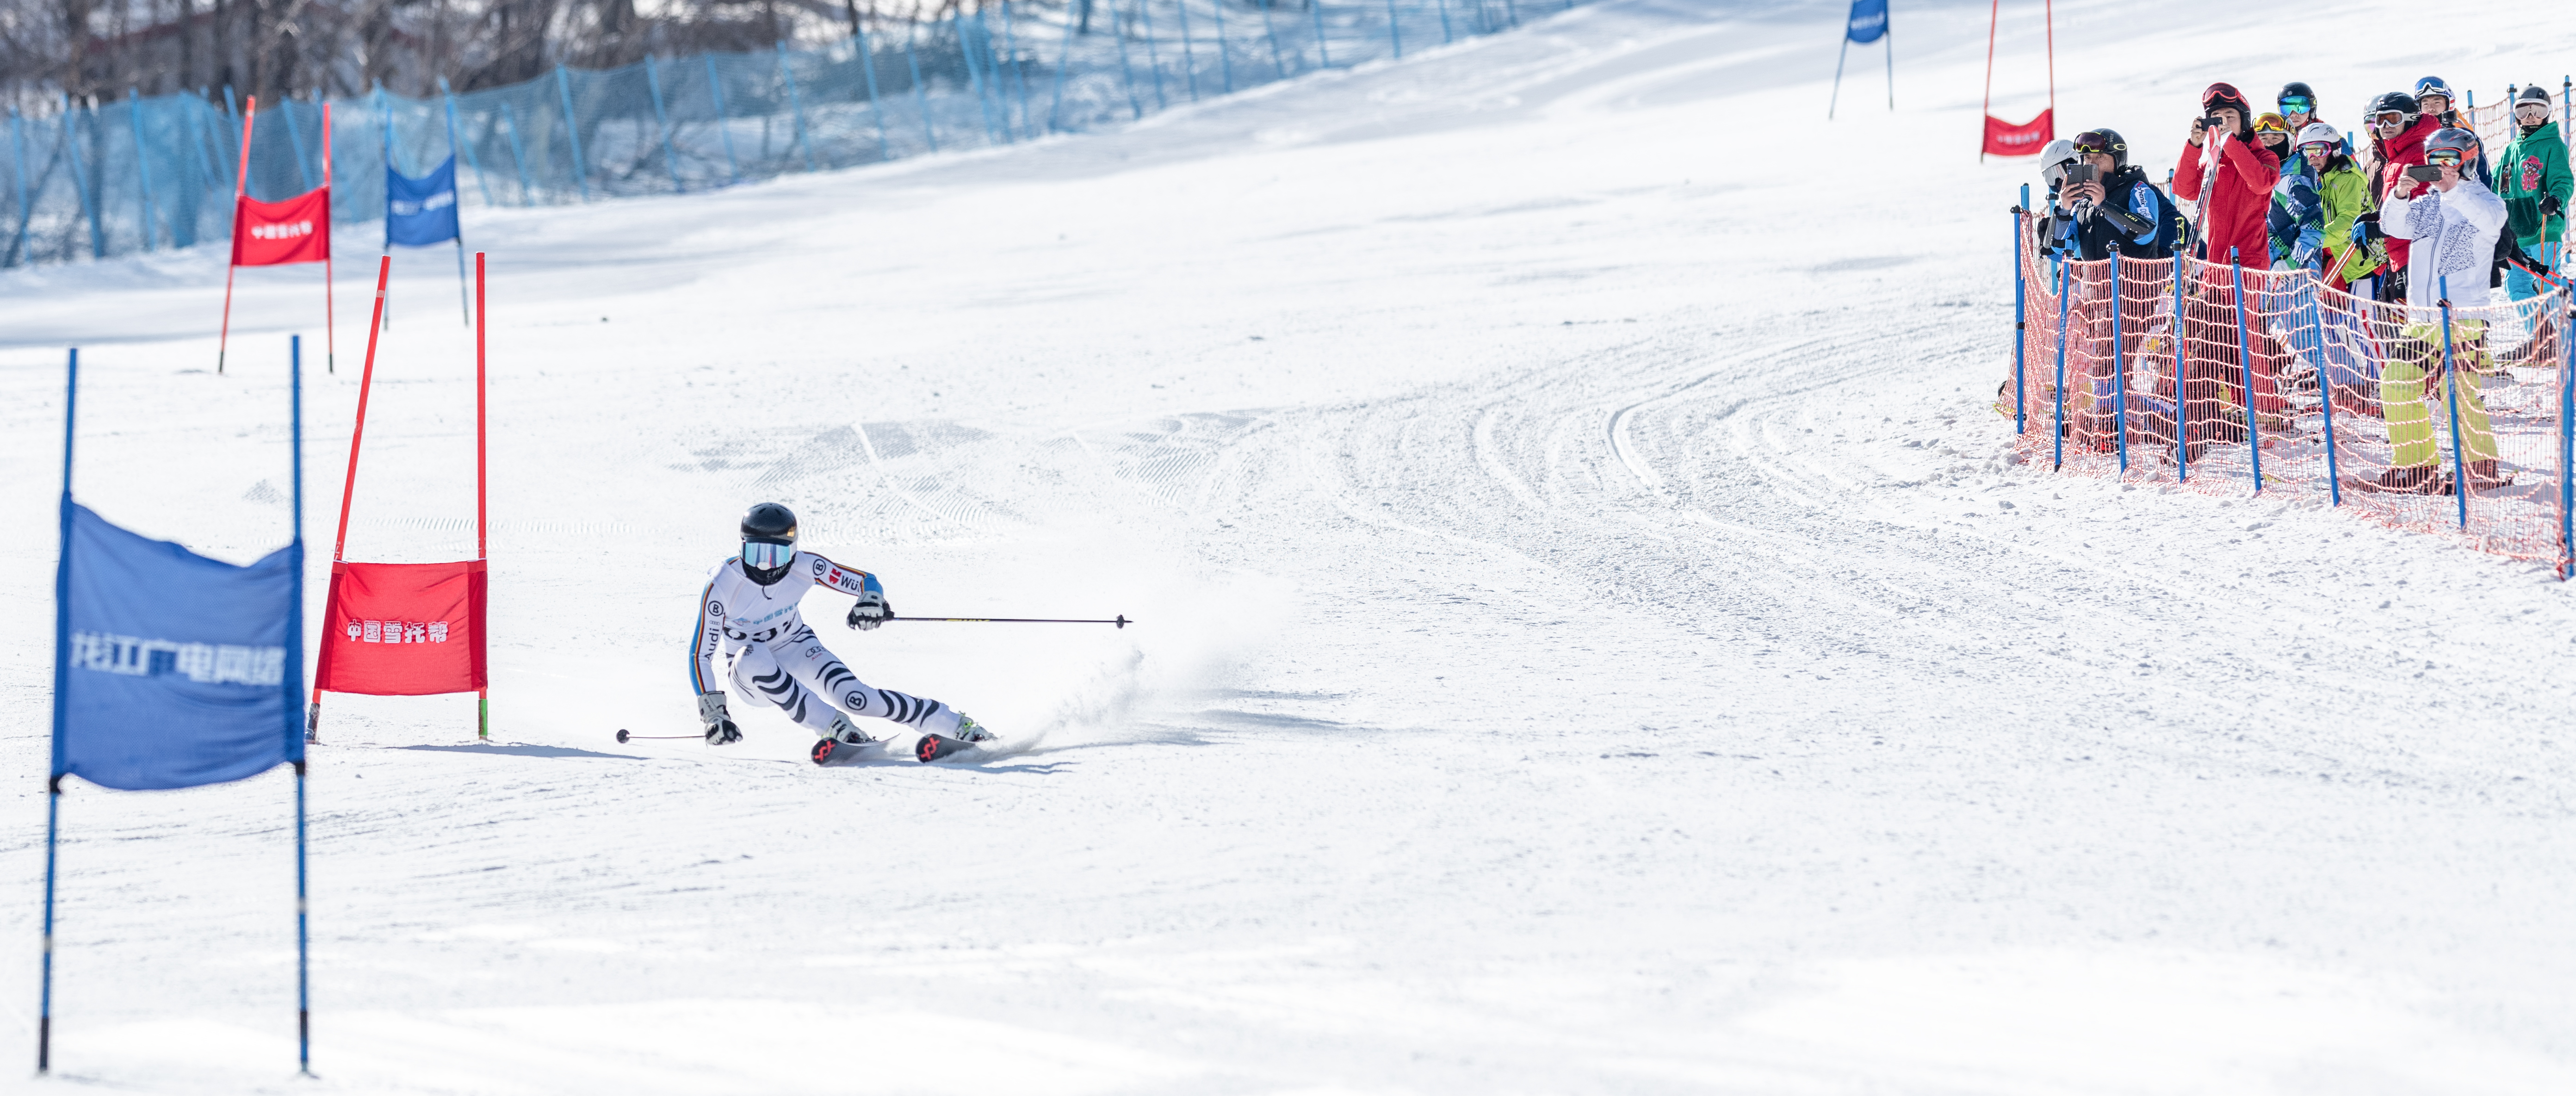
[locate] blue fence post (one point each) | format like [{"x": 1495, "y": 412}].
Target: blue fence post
[
  {"x": 2060, "y": 440},
  {"x": 2325, "y": 386},
  {"x": 920, "y": 98},
  {"x": 295, "y": 137},
  {"x": 662, "y": 121},
  {"x": 2021, "y": 313},
  {"x": 796, "y": 106},
  {"x": 457, "y": 145},
  {"x": 2119, "y": 366},
  {"x": 572, "y": 131},
  {"x": 2245, "y": 370},
  {"x": 26, "y": 199},
  {"x": 2459, "y": 461},
  {"x": 1063, "y": 61},
  {"x": 2182, "y": 391},
  {"x": 1224, "y": 53},
  {"x": 1394, "y": 31},
  {"x": 1323, "y": 57},
  {"x": 1189, "y": 57},
  {"x": 80, "y": 181},
  {"x": 867, "y": 67},
  {"x": 724, "y": 129},
  {"x": 1278, "y": 59},
  {"x": 1153, "y": 60},
  {"x": 142, "y": 162},
  {"x": 518, "y": 153},
  {"x": 1126, "y": 74}
]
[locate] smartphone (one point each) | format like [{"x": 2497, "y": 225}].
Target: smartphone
[
  {"x": 2424, "y": 173},
  {"x": 2079, "y": 174}
]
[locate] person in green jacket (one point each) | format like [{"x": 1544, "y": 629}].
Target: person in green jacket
[
  {"x": 2344, "y": 192},
  {"x": 2533, "y": 180}
]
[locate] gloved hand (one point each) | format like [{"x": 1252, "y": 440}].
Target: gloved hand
[
  {"x": 2550, "y": 205},
  {"x": 720, "y": 728},
  {"x": 2365, "y": 228},
  {"x": 870, "y": 611}
]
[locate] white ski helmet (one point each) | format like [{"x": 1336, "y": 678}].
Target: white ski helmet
[
  {"x": 2054, "y": 160},
  {"x": 2318, "y": 133}
]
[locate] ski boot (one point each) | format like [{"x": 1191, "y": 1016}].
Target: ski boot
[
  {"x": 932, "y": 747},
  {"x": 841, "y": 746}
]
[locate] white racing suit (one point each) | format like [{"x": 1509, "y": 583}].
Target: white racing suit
[{"x": 777, "y": 659}]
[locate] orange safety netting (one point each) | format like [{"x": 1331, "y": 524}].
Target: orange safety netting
[{"x": 2287, "y": 386}]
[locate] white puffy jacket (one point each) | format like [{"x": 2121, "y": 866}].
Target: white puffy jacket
[{"x": 2455, "y": 234}]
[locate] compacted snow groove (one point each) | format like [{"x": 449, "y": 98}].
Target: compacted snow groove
[{"x": 1589, "y": 633}]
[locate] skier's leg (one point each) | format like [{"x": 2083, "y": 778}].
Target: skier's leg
[
  {"x": 758, "y": 674},
  {"x": 807, "y": 660}
]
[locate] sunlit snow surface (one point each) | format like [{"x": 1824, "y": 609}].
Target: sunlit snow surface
[{"x": 1590, "y": 640}]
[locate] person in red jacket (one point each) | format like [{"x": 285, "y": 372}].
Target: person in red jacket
[
  {"x": 2397, "y": 134},
  {"x": 2228, "y": 176}
]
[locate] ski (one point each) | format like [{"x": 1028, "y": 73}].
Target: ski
[{"x": 933, "y": 747}]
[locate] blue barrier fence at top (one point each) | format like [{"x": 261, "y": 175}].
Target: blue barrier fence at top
[{"x": 137, "y": 175}]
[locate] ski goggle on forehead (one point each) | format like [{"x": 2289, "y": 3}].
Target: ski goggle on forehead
[{"x": 766, "y": 554}]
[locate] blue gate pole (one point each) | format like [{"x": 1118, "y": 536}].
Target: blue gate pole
[
  {"x": 294, "y": 680},
  {"x": 715, "y": 91},
  {"x": 2021, "y": 314},
  {"x": 142, "y": 161},
  {"x": 1189, "y": 57},
  {"x": 796, "y": 105},
  {"x": 1323, "y": 58},
  {"x": 62, "y": 683},
  {"x": 1394, "y": 32},
  {"x": 2245, "y": 370},
  {"x": 572, "y": 131},
  {"x": 1126, "y": 74},
  {"x": 2182, "y": 405},
  {"x": 518, "y": 153},
  {"x": 26, "y": 201},
  {"x": 1153, "y": 61},
  {"x": 2451, "y": 377},
  {"x": 2325, "y": 388},
  {"x": 867, "y": 67},
  {"x": 80, "y": 182},
  {"x": 920, "y": 98},
  {"x": 464, "y": 154},
  {"x": 1278, "y": 59},
  {"x": 1063, "y": 61},
  {"x": 1224, "y": 54},
  {"x": 2060, "y": 440},
  {"x": 2119, "y": 366},
  {"x": 662, "y": 121}
]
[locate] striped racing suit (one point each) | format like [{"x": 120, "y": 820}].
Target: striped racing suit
[{"x": 776, "y": 657}]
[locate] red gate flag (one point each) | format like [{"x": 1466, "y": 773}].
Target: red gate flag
[
  {"x": 2006, "y": 139},
  {"x": 403, "y": 629},
  {"x": 297, "y": 230}
]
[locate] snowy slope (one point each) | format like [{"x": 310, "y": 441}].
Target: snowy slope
[{"x": 1590, "y": 638}]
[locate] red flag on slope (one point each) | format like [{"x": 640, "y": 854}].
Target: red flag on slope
[
  {"x": 2006, "y": 139},
  {"x": 403, "y": 629},
  {"x": 297, "y": 230}
]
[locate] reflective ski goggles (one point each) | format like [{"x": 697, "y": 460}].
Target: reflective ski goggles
[
  {"x": 2531, "y": 112},
  {"x": 2298, "y": 104},
  {"x": 2389, "y": 119},
  {"x": 766, "y": 554},
  {"x": 2443, "y": 157}
]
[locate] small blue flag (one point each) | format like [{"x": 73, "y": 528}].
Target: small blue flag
[
  {"x": 1868, "y": 21},
  {"x": 423, "y": 210},
  {"x": 177, "y": 670}
]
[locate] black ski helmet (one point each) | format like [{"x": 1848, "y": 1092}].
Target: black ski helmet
[
  {"x": 2295, "y": 89},
  {"x": 2394, "y": 102},
  {"x": 769, "y": 533},
  {"x": 2106, "y": 141},
  {"x": 2532, "y": 94}
]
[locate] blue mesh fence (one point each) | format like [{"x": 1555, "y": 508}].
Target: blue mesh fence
[{"x": 142, "y": 174}]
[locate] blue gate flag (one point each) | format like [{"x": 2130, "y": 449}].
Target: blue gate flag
[
  {"x": 178, "y": 670},
  {"x": 1868, "y": 21},
  {"x": 423, "y": 210}
]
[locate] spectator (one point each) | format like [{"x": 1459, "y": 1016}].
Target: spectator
[
  {"x": 2228, "y": 177},
  {"x": 2343, "y": 197},
  {"x": 2397, "y": 140},
  {"x": 2458, "y": 219},
  {"x": 2433, "y": 99},
  {"x": 2118, "y": 208},
  {"x": 2298, "y": 105},
  {"x": 2296, "y": 221},
  {"x": 2536, "y": 187},
  {"x": 2057, "y": 226}
]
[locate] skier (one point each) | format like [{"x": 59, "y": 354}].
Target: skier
[{"x": 748, "y": 612}]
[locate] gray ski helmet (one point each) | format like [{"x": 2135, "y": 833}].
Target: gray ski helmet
[
  {"x": 2105, "y": 141},
  {"x": 2457, "y": 140},
  {"x": 2532, "y": 94},
  {"x": 2055, "y": 159}
]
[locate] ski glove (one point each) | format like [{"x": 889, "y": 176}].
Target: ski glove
[
  {"x": 870, "y": 611},
  {"x": 2550, "y": 205},
  {"x": 720, "y": 728},
  {"x": 2365, "y": 228}
]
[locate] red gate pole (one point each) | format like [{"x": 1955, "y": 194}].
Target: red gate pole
[
  {"x": 2052, "y": 68},
  {"x": 241, "y": 186},
  {"x": 348, "y": 488},
  {"x": 482, "y": 696},
  {"x": 1993, "y": 14}
]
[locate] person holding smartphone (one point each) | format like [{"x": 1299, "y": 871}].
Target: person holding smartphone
[
  {"x": 2397, "y": 136},
  {"x": 2228, "y": 175},
  {"x": 2454, "y": 220}
]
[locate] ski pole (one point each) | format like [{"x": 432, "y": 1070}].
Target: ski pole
[
  {"x": 623, "y": 736},
  {"x": 1122, "y": 620}
]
